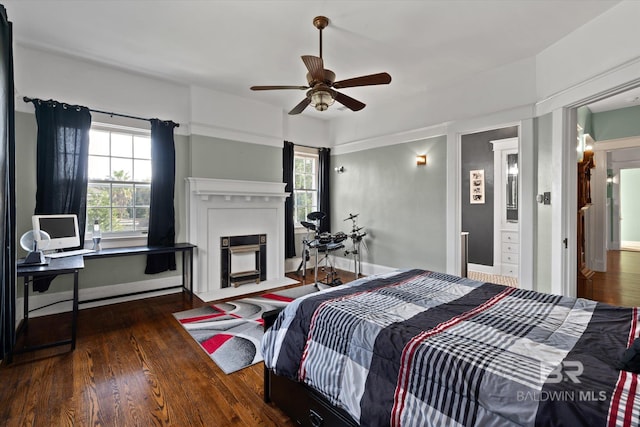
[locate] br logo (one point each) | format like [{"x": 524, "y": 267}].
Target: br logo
[{"x": 568, "y": 370}]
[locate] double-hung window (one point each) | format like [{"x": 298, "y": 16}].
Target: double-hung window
[
  {"x": 305, "y": 183},
  {"x": 119, "y": 188}
]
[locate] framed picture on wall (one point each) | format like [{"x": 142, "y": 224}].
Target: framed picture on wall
[{"x": 476, "y": 186}]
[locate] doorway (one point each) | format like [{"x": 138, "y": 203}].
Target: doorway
[
  {"x": 617, "y": 159},
  {"x": 629, "y": 209}
]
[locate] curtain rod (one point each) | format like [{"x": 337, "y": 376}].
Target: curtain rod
[
  {"x": 27, "y": 99},
  {"x": 310, "y": 146}
]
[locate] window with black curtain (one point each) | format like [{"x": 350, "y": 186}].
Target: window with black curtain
[{"x": 287, "y": 178}]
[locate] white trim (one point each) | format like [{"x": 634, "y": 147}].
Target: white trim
[
  {"x": 596, "y": 221},
  {"x": 235, "y": 135},
  {"x": 110, "y": 127},
  {"x": 486, "y": 269},
  {"x": 616, "y": 144},
  {"x": 614, "y": 80},
  {"x": 40, "y": 300},
  {"x": 391, "y": 139},
  {"x": 502, "y": 147},
  {"x": 454, "y": 211},
  {"x": 368, "y": 269},
  {"x": 527, "y": 213},
  {"x": 563, "y": 203}
]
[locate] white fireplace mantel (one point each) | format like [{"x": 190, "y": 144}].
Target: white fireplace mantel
[
  {"x": 229, "y": 189},
  {"x": 222, "y": 207}
]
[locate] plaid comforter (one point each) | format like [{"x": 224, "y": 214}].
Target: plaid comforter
[{"x": 418, "y": 348}]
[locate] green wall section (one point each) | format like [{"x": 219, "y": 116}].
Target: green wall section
[
  {"x": 630, "y": 205},
  {"x": 402, "y": 206},
  {"x": 622, "y": 123},
  {"x": 223, "y": 159}
]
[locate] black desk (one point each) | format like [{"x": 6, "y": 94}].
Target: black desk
[
  {"x": 187, "y": 261},
  {"x": 68, "y": 265}
]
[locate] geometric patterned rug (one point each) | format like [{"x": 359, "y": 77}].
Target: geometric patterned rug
[{"x": 230, "y": 332}]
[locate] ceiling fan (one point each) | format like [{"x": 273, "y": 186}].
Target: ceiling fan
[{"x": 322, "y": 82}]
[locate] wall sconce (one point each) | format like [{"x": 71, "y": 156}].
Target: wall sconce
[
  {"x": 421, "y": 159},
  {"x": 339, "y": 169}
]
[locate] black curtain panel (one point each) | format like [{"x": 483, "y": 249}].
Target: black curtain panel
[
  {"x": 324, "y": 166},
  {"x": 287, "y": 178},
  {"x": 7, "y": 191},
  {"x": 61, "y": 164},
  {"x": 162, "y": 220},
  {"x": 62, "y": 160}
]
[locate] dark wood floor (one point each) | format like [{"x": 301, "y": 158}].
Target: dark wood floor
[
  {"x": 620, "y": 285},
  {"x": 133, "y": 366}
]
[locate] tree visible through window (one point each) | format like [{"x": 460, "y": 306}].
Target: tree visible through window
[
  {"x": 119, "y": 189},
  {"x": 305, "y": 185}
]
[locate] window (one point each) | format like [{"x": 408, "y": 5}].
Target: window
[
  {"x": 119, "y": 189},
  {"x": 305, "y": 183}
]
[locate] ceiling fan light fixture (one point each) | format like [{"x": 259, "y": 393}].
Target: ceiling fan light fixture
[{"x": 321, "y": 100}]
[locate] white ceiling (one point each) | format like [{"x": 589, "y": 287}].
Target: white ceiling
[{"x": 231, "y": 45}]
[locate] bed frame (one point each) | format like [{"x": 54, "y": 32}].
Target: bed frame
[{"x": 304, "y": 405}]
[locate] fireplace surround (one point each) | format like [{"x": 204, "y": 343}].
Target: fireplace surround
[{"x": 219, "y": 208}]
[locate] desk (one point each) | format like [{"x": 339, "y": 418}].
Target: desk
[
  {"x": 68, "y": 265},
  {"x": 187, "y": 261}
]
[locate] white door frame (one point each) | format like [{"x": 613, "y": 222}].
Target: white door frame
[
  {"x": 526, "y": 168},
  {"x": 564, "y": 203}
]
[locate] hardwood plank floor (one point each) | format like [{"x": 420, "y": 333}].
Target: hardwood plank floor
[
  {"x": 133, "y": 365},
  {"x": 620, "y": 285}
]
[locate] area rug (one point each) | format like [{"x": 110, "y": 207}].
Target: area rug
[{"x": 230, "y": 332}]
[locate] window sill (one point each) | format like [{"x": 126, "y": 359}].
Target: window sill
[{"x": 118, "y": 242}]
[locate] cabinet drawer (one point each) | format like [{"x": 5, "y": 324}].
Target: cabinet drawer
[
  {"x": 509, "y": 270},
  {"x": 511, "y": 248},
  {"x": 510, "y": 237},
  {"x": 509, "y": 258}
]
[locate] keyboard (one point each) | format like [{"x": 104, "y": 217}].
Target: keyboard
[{"x": 69, "y": 253}]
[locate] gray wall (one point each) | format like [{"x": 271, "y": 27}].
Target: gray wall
[
  {"x": 477, "y": 219},
  {"x": 402, "y": 206},
  {"x": 195, "y": 156}
]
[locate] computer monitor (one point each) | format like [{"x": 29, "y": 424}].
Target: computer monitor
[{"x": 62, "y": 228}]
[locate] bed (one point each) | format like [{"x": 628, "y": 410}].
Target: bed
[{"x": 419, "y": 348}]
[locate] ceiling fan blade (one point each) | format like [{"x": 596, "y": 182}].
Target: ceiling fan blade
[
  {"x": 315, "y": 65},
  {"x": 371, "y": 79},
  {"x": 278, "y": 87},
  {"x": 347, "y": 101},
  {"x": 301, "y": 106}
]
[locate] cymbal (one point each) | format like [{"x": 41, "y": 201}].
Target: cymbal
[
  {"x": 351, "y": 216},
  {"x": 308, "y": 225},
  {"x": 314, "y": 216}
]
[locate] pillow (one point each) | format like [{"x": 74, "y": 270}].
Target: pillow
[{"x": 630, "y": 359}]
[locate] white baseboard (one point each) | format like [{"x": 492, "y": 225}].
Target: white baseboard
[
  {"x": 486, "y": 269},
  {"x": 341, "y": 263},
  {"x": 44, "y": 299},
  {"x": 367, "y": 269}
]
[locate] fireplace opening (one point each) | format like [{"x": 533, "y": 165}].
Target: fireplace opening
[{"x": 243, "y": 259}]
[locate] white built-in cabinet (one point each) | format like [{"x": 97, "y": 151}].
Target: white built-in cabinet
[{"x": 506, "y": 242}]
